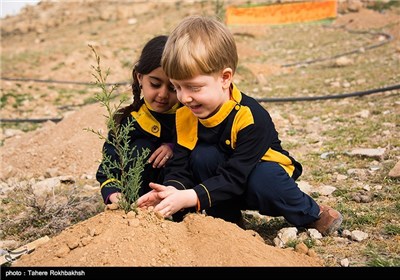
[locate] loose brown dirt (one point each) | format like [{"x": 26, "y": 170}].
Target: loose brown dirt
[{"x": 113, "y": 238}]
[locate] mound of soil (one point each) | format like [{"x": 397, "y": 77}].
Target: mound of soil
[
  {"x": 66, "y": 147},
  {"x": 113, "y": 238}
]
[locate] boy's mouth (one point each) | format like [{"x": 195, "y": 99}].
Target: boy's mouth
[{"x": 194, "y": 107}]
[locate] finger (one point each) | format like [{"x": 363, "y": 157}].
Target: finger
[
  {"x": 163, "y": 160},
  {"x": 151, "y": 158},
  {"x": 158, "y": 162},
  {"x": 145, "y": 199},
  {"x": 154, "y": 156},
  {"x": 162, "y": 195},
  {"x": 161, "y": 209},
  {"x": 157, "y": 187},
  {"x": 142, "y": 201},
  {"x": 166, "y": 211}
]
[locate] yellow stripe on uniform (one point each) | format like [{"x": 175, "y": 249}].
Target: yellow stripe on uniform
[
  {"x": 107, "y": 182},
  {"x": 208, "y": 194}
]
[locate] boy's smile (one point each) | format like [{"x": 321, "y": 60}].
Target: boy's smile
[{"x": 203, "y": 94}]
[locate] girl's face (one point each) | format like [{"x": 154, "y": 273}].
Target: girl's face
[
  {"x": 158, "y": 91},
  {"x": 204, "y": 94}
]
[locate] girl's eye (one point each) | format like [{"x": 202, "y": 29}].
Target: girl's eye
[
  {"x": 155, "y": 85},
  {"x": 172, "y": 88}
]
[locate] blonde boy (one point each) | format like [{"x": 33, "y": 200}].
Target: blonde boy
[{"x": 228, "y": 155}]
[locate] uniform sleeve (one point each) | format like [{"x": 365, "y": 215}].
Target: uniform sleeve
[
  {"x": 177, "y": 172},
  {"x": 232, "y": 175},
  {"x": 106, "y": 188}
]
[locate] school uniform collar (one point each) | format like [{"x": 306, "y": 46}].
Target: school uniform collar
[
  {"x": 226, "y": 108},
  {"x": 146, "y": 118},
  {"x": 170, "y": 111}
]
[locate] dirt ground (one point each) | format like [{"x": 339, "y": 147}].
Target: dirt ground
[{"x": 113, "y": 238}]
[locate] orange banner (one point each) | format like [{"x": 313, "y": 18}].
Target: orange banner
[{"x": 282, "y": 13}]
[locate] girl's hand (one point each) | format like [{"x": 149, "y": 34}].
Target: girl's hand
[
  {"x": 115, "y": 197},
  {"x": 160, "y": 156}
]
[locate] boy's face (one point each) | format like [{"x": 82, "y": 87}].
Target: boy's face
[{"x": 203, "y": 94}]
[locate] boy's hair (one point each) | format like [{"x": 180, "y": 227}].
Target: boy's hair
[{"x": 198, "y": 46}]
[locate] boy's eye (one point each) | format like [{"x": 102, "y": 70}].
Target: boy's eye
[{"x": 194, "y": 88}]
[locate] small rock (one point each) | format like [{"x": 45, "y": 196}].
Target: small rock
[
  {"x": 91, "y": 232},
  {"x": 358, "y": 235},
  {"x": 112, "y": 206},
  {"x": 134, "y": 222},
  {"x": 130, "y": 215},
  {"x": 344, "y": 262},
  {"x": 72, "y": 244},
  {"x": 371, "y": 153},
  {"x": 86, "y": 240},
  {"x": 63, "y": 251},
  {"x": 343, "y": 61},
  {"x": 395, "y": 171},
  {"x": 365, "y": 198},
  {"x": 52, "y": 172},
  {"x": 312, "y": 253},
  {"x": 301, "y": 248}
]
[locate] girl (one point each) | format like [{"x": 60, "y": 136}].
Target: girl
[{"x": 153, "y": 118}]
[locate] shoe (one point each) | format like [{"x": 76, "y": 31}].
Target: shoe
[
  {"x": 241, "y": 223},
  {"x": 329, "y": 220}
]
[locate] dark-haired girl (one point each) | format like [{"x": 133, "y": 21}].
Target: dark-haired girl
[{"x": 154, "y": 120}]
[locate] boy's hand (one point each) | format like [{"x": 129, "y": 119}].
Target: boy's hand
[
  {"x": 173, "y": 200},
  {"x": 155, "y": 196},
  {"x": 149, "y": 199},
  {"x": 160, "y": 156}
]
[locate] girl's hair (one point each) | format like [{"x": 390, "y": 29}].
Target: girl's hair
[
  {"x": 149, "y": 60},
  {"x": 199, "y": 46}
]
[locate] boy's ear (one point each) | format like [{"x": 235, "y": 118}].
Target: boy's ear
[{"x": 227, "y": 75}]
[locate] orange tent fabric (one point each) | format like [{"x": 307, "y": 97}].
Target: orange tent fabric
[{"x": 282, "y": 13}]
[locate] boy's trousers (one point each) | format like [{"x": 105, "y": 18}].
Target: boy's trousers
[{"x": 269, "y": 190}]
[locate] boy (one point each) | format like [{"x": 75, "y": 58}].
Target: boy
[{"x": 228, "y": 155}]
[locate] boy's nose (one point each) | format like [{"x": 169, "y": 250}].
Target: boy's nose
[{"x": 184, "y": 97}]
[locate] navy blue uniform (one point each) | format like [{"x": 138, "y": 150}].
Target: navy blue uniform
[
  {"x": 234, "y": 160},
  {"x": 151, "y": 130}
]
